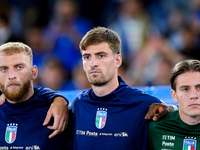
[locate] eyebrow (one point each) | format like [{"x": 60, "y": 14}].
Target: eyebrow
[
  {"x": 197, "y": 85},
  {"x": 183, "y": 86},
  {"x": 3, "y": 66},
  {"x": 18, "y": 64},
  {"x": 85, "y": 54},
  {"x": 95, "y": 53}
]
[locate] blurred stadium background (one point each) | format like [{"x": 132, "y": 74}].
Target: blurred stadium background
[{"x": 155, "y": 35}]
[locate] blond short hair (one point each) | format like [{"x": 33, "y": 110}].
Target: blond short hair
[{"x": 11, "y": 48}]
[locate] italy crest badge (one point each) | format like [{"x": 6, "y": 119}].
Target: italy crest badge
[
  {"x": 101, "y": 117},
  {"x": 11, "y": 133},
  {"x": 189, "y": 144}
]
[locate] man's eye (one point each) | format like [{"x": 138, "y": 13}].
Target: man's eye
[
  {"x": 3, "y": 69},
  {"x": 86, "y": 57},
  {"x": 185, "y": 89},
  {"x": 101, "y": 56},
  {"x": 19, "y": 67}
]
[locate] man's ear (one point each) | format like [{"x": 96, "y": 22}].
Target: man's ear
[
  {"x": 173, "y": 93},
  {"x": 118, "y": 60},
  {"x": 34, "y": 72}
]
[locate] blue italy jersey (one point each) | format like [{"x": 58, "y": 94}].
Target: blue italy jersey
[
  {"x": 114, "y": 121},
  {"x": 21, "y": 124}
]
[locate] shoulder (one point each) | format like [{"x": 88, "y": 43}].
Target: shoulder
[
  {"x": 40, "y": 97},
  {"x": 140, "y": 96},
  {"x": 169, "y": 120},
  {"x": 38, "y": 92},
  {"x": 41, "y": 90},
  {"x": 83, "y": 95},
  {"x": 47, "y": 93}
]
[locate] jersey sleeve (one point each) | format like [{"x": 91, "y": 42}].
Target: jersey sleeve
[{"x": 49, "y": 94}]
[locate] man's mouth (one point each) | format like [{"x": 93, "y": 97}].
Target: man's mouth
[
  {"x": 93, "y": 72},
  {"x": 194, "y": 105},
  {"x": 13, "y": 85}
]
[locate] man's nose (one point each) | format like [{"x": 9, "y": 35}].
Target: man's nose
[
  {"x": 11, "y": 74},
  {"x": 193, "y": 94},
  {"x": 93, "y": 62}
]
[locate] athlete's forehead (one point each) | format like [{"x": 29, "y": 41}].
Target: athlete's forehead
[
  {"x": 188, "y": 79},
  {"x": 97, "y": 49},
  {"x": 14, "y": 59}
]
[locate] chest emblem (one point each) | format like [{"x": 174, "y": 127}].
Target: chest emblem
[
  {"x": 101, "y": 117},
  {"x": 11, "y": 133},
  {"x": 189, "y": 144}
]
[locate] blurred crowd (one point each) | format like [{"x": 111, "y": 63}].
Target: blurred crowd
[{"x": 155, "y": 35}]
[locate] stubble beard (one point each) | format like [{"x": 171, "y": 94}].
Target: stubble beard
[
  {"x": 97, "y": 81},
  {"x": 16, "y": 94}
]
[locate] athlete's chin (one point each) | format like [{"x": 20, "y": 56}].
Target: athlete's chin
[
  {"x": 13, "y": 89},
  {"x": 98, "y": 82},
  {"x": 194, "y": 114},
  {"x": 94, "y": 82},
  {"x": 93, "y": 79}
]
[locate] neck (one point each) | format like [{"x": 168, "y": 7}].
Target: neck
[
  {"x": 106, "y": 88},
  {"x": 191, "y": 120}
]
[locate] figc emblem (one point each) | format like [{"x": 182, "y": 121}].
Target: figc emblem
[
  {"x": 101, "y": 117},
  {"x": 189, "y": 144},
  {"x": 11, "y": 133}
]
